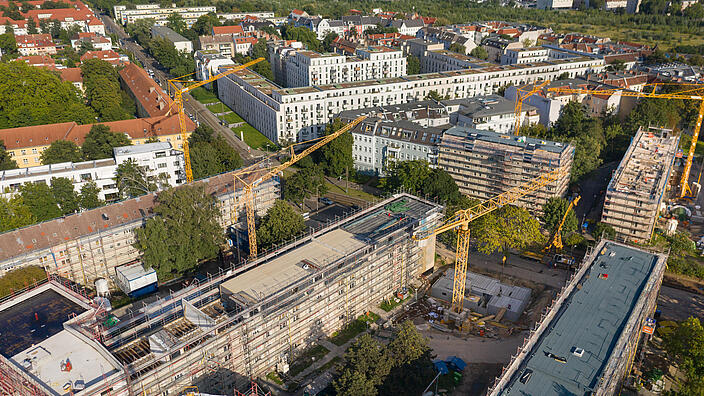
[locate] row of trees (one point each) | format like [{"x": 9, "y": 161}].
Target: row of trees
[
  {"x": 37, "y": 202},
  {"x": 404, "y": 366},
  {"x": 103, "y": 93},
  {"x": 98, "y": 144},
  {"x": 178, "y": 63}
]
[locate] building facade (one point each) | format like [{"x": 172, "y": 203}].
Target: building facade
[
  {"x": 307, "y": 68},
  {"x": 164, "y": 165},
  {"x": 491, "y": 113},
  {"x": 638, "y": 185},
  {"x": 297, "y": 114},
  {"x": 160, "y": 15},
  {"x": 485, "y": 164},
  {"x": 181, "y": 43}
]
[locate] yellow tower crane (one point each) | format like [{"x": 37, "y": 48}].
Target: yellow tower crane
[
  {"x": 685, "y": 95},
  {"x": 556, "y": 240},
  {"x": 522, "y": 94},
  {"x": 460, "y": 222},
  {"x": 178, "y": 102},
  {"x": 294, "y": 157}
]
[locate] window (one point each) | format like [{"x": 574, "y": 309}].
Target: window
[
  {"x": 161, "y": 165},
  {"x": 86, "y": 176},
  {"x": 23, "y": 152},
  {"x": 25, "y": 161},
  {"x": 160, "y": 154},
  {"x": 34, "y": 151}
]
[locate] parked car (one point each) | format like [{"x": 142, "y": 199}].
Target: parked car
[{"x": 325, "y": 201}]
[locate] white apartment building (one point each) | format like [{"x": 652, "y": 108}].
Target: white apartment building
[
  {"x": 154, "y": 11},
  {"x": 307, "y": 68},
  {"x": 553, "y": 4},
  {"x": 525, "y": 55},
  {"x": 242, "y": 15},
  {"x": 491, "y": 113},
  {"x": 299, "y": 114},
  {"x": 378, "y": 143},
  {"x": 208, "y": 63},
  {"x": 159, "y": 158},
  {"x": 444, "y": 60}
]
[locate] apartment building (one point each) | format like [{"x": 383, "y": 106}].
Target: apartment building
[
  {"x": 443, "y": 60},
  {"x": 89, "y": 245},
  {"x": 525, "y": 55},
  {"x": 423, "y": 112},
  {"x": 151, "y": 100},
  {"x": 554, "y": 4},
  {"x": 638, "y": 186},
  {"x": 181, "y": 43},
  {"x": 485, "y": 164},
  {"x": 109, "y": 56},
  {"x": 496, "y": 47},
  {"x": 244, "y": 322},
  {"x": 490, "y": 113},
  {"x": 307, "y": 68},
  {"x": 35, "y": 44},
  {"x": 209, "y": 62},
  {"x": 160, "y": 15},
  {"x": 571, "y": 350},
  {"x": 224, "y": 44},
  {"x": 77, "y": 14},
  {"x": 91, "y": 39},
  {"x": 162, "y": 162},
  {"x": 298, "y": 114},
  {"x": 26, "y": 144}
]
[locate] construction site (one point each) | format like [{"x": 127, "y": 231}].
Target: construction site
[
  {"x": 235, "y": 325},
  {"x": 638, "y": 187}
]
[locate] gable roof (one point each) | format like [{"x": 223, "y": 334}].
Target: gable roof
[
  {"x": 147, "y": 92},
  {"x": 228, "y": 30}
]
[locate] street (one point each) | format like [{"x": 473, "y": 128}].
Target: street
[{"x": 190, "y": 105}]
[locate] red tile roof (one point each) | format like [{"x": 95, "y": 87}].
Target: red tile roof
[
  {"x": 37, "y": 60},
  {"x": 42, "y": 135},
  {"x": 35, "y": 40},
  {"x": 237, "y": 30},
  {"x": 149, "y": 94},
  {"x": 72, "y": 74}
]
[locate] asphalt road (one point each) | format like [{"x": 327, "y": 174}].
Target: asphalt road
[{"x": 191, "y": 106}]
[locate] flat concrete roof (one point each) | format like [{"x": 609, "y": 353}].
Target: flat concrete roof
[
  {"x": 141, "y": 148},
  {"x": 294, "y": 265},
  {"x": 87, "y": 364},
  {"x": 592, "y": 318},
  {"x": 471, "y": 134}
]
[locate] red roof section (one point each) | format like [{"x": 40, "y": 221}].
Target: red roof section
[
  {"x": 37, "y": 60},
  {"x": 72, "y": 74},
  {"x": 236, "y": 30},
  {"x": 149, "y": 94}
]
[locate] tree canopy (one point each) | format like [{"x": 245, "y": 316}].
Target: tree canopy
[
  {"x": 412, "y": 64},
  {"x": 14, "y": 213},
  {"x": 40, "y": 200},
  {"x": 183, "y": 232},
  {"x": 304, "y": 183},
  {"x": 686, "y": 344},
  {"x": 61, "y": 151},
  {"x": 553, "y": 211},
  {"x": 211, "y": 154},
  {"x": 280, "y": 224},
  {"x": 479, "y": 52},
  {"x": 35, "y": 96},
  {"x": 102, "y": 90},
  {"x": 100, "y": 141},
  {"x": 509, "y": 227},
  {"x": 417, "y": 177},
  {"x": 336, "y": 156},
  {"x": 133, "y": 180},
  {"x": 6, "y": 162}
]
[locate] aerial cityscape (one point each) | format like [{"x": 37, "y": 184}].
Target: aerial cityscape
[{"x": 354, "y": 198}]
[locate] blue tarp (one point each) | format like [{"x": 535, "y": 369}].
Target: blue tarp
[
  {"x": 456, "y": 363},
  {"x": 441, "y": 367}
]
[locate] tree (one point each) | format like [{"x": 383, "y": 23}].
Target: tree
[
  {"x": 442, "y": 187},
  {"x": 336, "y": 156},
  {"x": 510, "y": 227},
  {"x": 35, "y": 96},
  {"x": 8, "y": 44},
  {"x": 211, "y": 154},
  {"x": 304, "y": 183},
  {"x": 167, "y": 241},
  {"x": 102, "y": 90},
  {"x": 604, "y": 230},
  {"x": 588, "y": 135},
  {"x": 417, "y": 177},
  {"x": 458, "y": 48},
  {"x": 6, "y": 162},
  {"x": 479, "y": 52},
  {"x": 90, "y": 196},
  {"x": 133, "y": 180},
  {"x": 695, "y": 11},
  {"x": 176, "y": 23},
  {"x": 280, "y": 224},
  {"x": 32, "y": 26},
  {"x": 14, "y": 213},
  {"x": 681, "y": 244},
  {"x": 553, "y": 211},
  {"x": 367, "y": 358},
  {"x": 328, "y": 40},
  {"x": 413, "y": 367},
  {"x": 304, "y": 35},
  {"x": 617, "y": 65},
  {"x": 40, "y": 200},
  {"x": 686, "y": 344},
  {"x": 408, "y": 345},
  {"x": 412, "y": 64},
  {"x": 100, "y": 141},
  {"x": 64, "y": 195},
  {"x": 204, "y": 24},
  {"x": 61, "y": 151},
  {"x": 379, "y": 29}
]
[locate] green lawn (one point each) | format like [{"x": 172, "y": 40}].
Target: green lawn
[
  {"x": 204, "y": 96},
  {"x": 388, "y": 305},
  {"x": 217, "y": 107},
  {"x": 352, "y": 192},
  {"x": 253, "y": 137},
  {"x": 350, "y": 331},
  {"x": 232, "y": 118},
  {"x": 307, "y": 358}
]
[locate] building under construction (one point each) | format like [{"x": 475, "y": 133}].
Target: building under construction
[
  {"x": 217, "y": 334},
  {"x": 485, "y": 164},
  {"x": 586, "y": 341},
  {"x": 90, "y": 245},
  {"x": 638, "y": 186}
]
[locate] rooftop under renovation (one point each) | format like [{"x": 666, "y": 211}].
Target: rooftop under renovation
[{"x": 234, "y": 325}]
